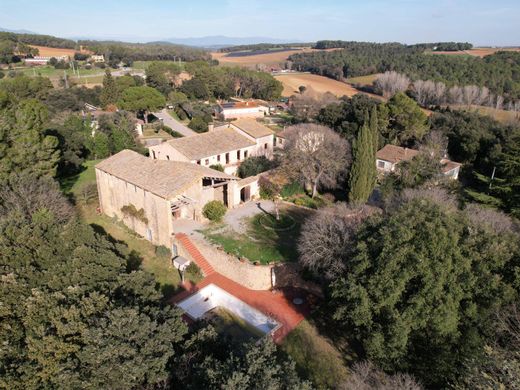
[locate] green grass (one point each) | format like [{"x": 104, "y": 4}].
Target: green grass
[
  {"x": 143, "y": 65},
  {"x": 261, "y": 244},
  {"x": 165, "y": 274},
  {"x": 316, "y": 356},
  {"x": 362, "y": 80},
  {"x": 50, "y": 71},
  {"x": 71, "y": 185}
]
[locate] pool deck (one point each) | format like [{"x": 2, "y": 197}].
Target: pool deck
[{"x": 277, "y": 304}]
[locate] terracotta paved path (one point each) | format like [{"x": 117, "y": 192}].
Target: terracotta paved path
[{"x": 275, "y": 304}]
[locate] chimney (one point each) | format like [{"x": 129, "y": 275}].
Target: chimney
[{"x": 211, "y": 126}]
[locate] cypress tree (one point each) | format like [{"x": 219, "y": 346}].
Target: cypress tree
[
  {"x": 109, "y": 95},
  {"x": 374, "y": 128},
  {"x": 363, "y": 172}
]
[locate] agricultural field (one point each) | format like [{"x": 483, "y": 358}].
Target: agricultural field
[
  {"x": 478, "y": 51},
  {"x": 45, "y": 51},
  {"x": 362, "y": 80},
  {"x": 267, "y": 57},
  {"x": 501, "y": 116},
  {"x": 320, "y": 84}
]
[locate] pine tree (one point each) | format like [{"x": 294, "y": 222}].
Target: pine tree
[
  {"x": 363, "y": 172},
  {"x": 110, "y": 94}
]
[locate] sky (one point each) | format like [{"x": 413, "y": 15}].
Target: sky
[{"x": 480, "y": 22}]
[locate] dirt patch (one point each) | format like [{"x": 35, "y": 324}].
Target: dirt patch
[
  {"x": 45, "y": 51},
  {"x": 275, "y": 59},
  {"x": 320, "y": 84}
]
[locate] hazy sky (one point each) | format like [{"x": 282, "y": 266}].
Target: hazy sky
[{"x": 478, "y": 21}]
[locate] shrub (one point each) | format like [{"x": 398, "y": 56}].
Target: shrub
[
  {"x": 252, "y": 166},
  {"x": 131, "y": 211},
  {"x": 162, "y": 251},
  {"x": 217, "y": 167},
  {"x": 198, "y": 124},
  {"x": 170, "y": 131},
  {"x": 194, "y": 272},
  {"x": 291, "y": 189},
  {"x": 214, "y": 210},
  {"x": 268, "y": 190}
]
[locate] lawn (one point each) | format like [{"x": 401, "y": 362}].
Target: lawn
[
  {"x": 362, "y": 80},
  {"x": 316, "y": 356},
  {"x": 50, "y": 71},
  {"x": 262, "y": 244},
  {"x": 142, "y": 65},
  {"x": 166, "y": 276}
]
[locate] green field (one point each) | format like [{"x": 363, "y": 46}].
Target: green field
[
  {"x": 50, "y": 71},
  {"x": 362, "y": 80},
  {"x": 142, "y": 65}
]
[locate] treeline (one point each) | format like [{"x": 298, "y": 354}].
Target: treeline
[
  {"x": 452, "y": 46},
  {"x": 441, "y": 46},
  {"x": 39, "y": 40},
  {"x": 128, "y": 52},
  {"x": 499, "y": 72},
  {"x": 11, "y": 49},
  {"x": 264, "y": 46}
]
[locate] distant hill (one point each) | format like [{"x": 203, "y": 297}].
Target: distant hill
[
  {"x": 2, "y": 29},
  {"x": 220, "y": 41}
]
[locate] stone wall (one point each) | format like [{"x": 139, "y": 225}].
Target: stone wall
[{"x": 254, "y": 277}]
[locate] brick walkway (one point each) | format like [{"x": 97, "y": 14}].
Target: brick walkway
[
  {"x": 275, "y": 304},
  {"x": 200, "y": 260}
]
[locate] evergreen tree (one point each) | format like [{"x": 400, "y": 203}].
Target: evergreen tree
[
  {"x": 363, "y": 172},
  {"x": 24, "y": 146},
  {"x": 374, "y": 128},
  {"x": 110, "y": 92}
]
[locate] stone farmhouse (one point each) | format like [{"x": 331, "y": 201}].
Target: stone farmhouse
[
  {"x": 389, "y": 156},
  {"x": 227, "y": 145},
  {"x": 149, "y": 195}
]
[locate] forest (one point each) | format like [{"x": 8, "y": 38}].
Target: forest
[
  {"x": 124, "y": 51},
  {"x": 500, "y": 72}
]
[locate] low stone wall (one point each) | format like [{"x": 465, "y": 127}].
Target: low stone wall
[{"x": 254, "y": 277}]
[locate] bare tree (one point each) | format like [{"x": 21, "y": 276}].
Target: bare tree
[
  {"x": 307, "y": 104},
  {"x": 315, "y": 155},
  {"x": 389, "y": 83},
  {"x": 456, "y": 95},
  {"x": 435, "y": 144},
  {"x": 26, "y": 195},
  {"x": 499, "y": 102},
  {"x": 429, "y": 92},
  {"x": 498, "y": 221},
  {"x": 423, "y": 90},
  {"x": 470, "y": 94},
  {"x": 440, "y": 93},
  {"x": 366, "y": 376},
  {"x": 326, "y": 238}
]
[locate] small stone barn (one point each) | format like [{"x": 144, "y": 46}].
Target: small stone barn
[{"x": 150, "y": 195}]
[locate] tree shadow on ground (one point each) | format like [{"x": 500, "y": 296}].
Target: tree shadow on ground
[{"x": 286, "y": 240}]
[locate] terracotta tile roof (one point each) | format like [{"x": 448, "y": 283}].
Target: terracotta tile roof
[
  {"x": 162, "y": 177},
  {"x": 211, "y": 143},
  {"x": 448, "y": 165},
  {"x": 395, "y": 154},
  {"x": 252, "y": 127}
]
